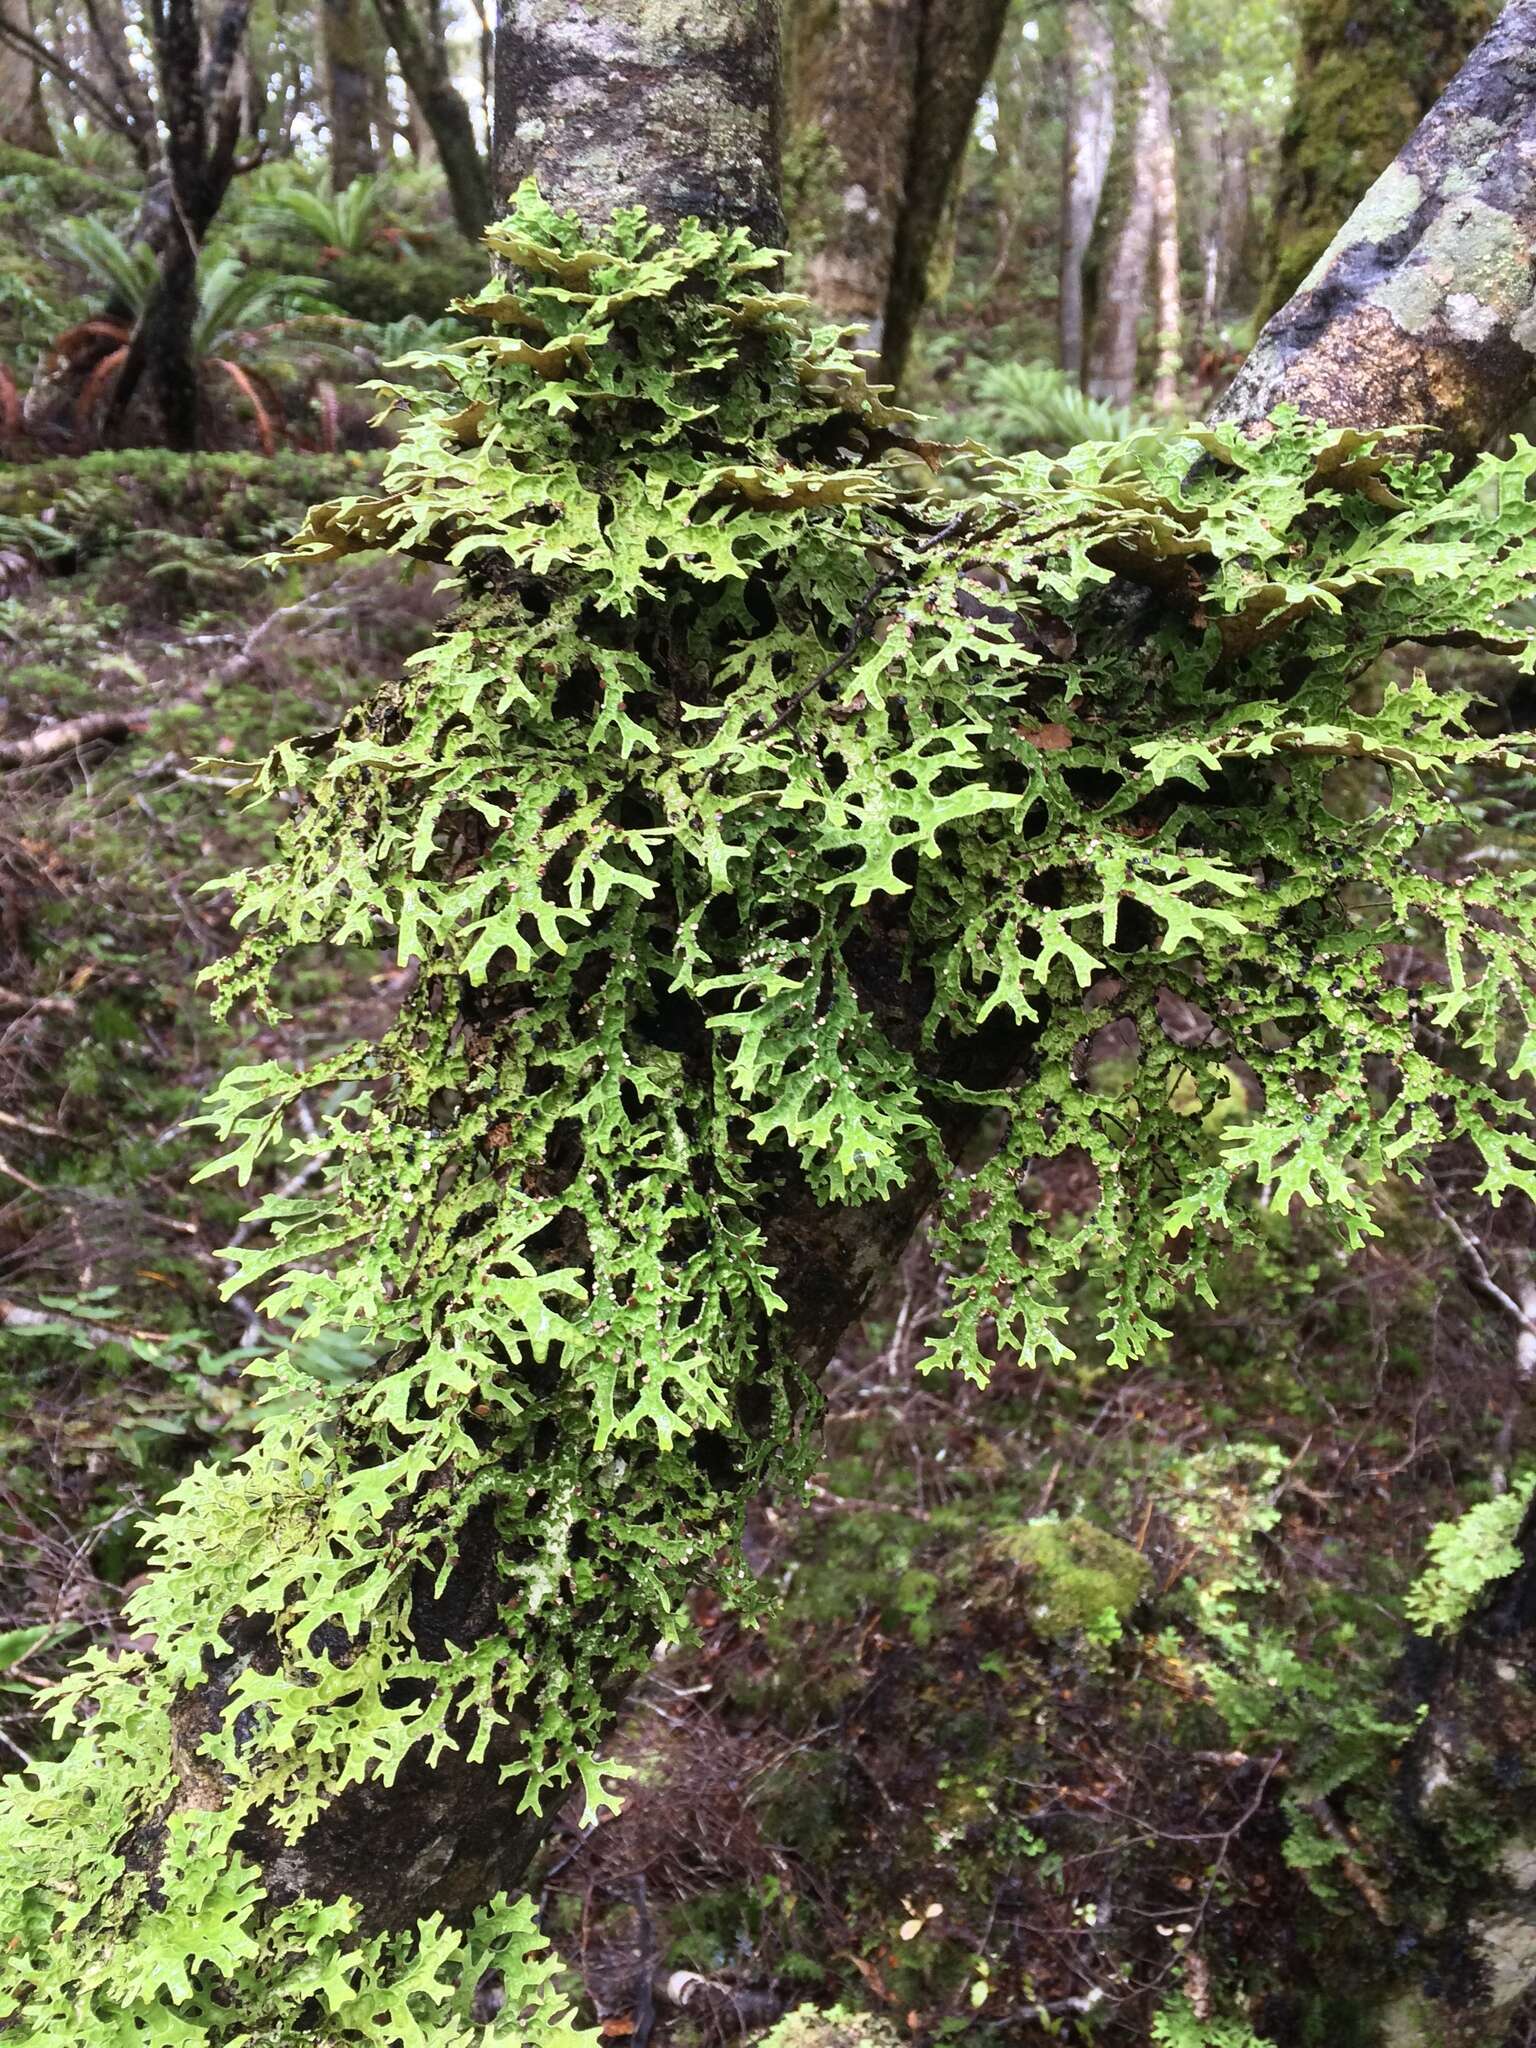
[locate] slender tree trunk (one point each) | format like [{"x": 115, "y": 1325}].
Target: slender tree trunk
[
  {"x": 201, "y": 103},
  {"x": 416, "y": 37},
  {"x": 1122, "y": 293},
  {"x": 348, "y": 87},
  {"x": 851, "y": 77},
  {"x": 1089, "y": 138},
  {"x": 1368, "y": 71},
  {"x": 956, "y": 50},
  {"x": 881, "y": 97},
  {"x": 381, "y": 112},
  {"x": 1169, "y": 326},
  {"x": 23, "y": 117}
]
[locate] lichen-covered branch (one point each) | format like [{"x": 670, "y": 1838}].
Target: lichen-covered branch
[{"x": 1423, "y": 307}]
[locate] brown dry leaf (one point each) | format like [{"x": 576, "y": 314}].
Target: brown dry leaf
[{"x": 1050, "y": 739}]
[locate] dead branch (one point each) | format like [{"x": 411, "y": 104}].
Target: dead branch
[{"x": 51, "y": 742}]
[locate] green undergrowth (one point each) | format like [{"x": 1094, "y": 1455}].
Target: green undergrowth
[
  {"x": 748, "y": 794},
  {"x": 120, "y": 1364}
]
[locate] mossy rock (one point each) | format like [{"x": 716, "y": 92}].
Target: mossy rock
[
  {"x": 839, "y": 2028},
  {"x": 1080, "y": 1577}
]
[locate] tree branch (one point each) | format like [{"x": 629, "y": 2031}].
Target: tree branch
[{"x": 1422, "y": 310}]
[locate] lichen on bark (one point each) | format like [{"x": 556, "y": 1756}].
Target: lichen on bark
[{"x": 1422, "y": 309}]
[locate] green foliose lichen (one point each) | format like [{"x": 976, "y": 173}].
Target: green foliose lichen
[{"x": 726, "y": 697}]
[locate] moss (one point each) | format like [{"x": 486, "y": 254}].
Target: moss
[
  {"x": 1079, "y": 1575},
  {"x": 70, "y": 188},
  {"x": 839, "y": 2028}
]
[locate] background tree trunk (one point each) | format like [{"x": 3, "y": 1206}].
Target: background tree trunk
[
  {"x": 1421, "y": 309},
  {"x": 851, "y": 72},
  {"x": 1122, "y": 294},
  {"x": 956, "y": 49},
  {"x": 349, "y": 90},
  {"x": 881, "y": 97},
  {"x": 421, "y": 51},
  {"x": 1169, "y": 326},
  {"x": 23, "y": 116},
  {"x": 1088, "y": 139},
  {"x": 1366, "y": 74}
]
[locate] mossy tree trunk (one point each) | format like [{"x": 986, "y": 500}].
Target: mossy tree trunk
[
  {"x": 416, "y": 35},
  {"x": 1367, "y": 72},
  {"x": 1089, "y": 135},
  {"x": 1167, "y": 313},
  {"x": 201, "y": 112},
  {"x": 881, "y": 97},
  {"x": 348, "y": 90}
]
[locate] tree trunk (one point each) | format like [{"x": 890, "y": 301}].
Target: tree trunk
[
  {"x": 348, "y": 87},
  {"x": 1089, "y": 138},
  {"x": 1368, "y": 71},
  {"x": 422, "y": 55},
  {"x": 23, "y": 117},
  {"x": 1122, "y": 294},
  {"x": 956, "y": 50},
  {"x": 1169, "y": 329},
  {"x": 612, "y": 103},
  {"x": 201, "y": 106},
  {"x": 1421, "y": 309},
  {"x": 851, "y": 98},
  {"x": 881, "y": 97}
]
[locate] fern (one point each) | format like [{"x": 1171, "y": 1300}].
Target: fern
[
  {"x": 721, "y": 696},
  {"x": 1466, "y": 1557},
  {"x": 1034, "y": 406}
]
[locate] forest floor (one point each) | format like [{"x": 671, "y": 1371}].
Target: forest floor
[{"x": 1054, "y": 1681}]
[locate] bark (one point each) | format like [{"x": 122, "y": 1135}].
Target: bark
[
  {"x": 1122, "y": 296},
  {"x": 653, "y": 103},
  {"x": 1423, "y": 307},
  {"x": 1089, "y": 137},
  {"x": 416, "y": 38},
  {"x": 23, "y": 117},
  {"x": 1367, "y": 72},
  {"x": 881, "y": 96},
  {"x": 348, "y": 88}
]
